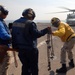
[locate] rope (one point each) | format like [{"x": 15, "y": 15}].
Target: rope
[{"x": 50, "y": 50}]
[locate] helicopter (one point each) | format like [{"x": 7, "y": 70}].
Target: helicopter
[{"x": 70, "y": 17}]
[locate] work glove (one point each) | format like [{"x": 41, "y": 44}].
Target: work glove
[{"x": 49, "y": 30}]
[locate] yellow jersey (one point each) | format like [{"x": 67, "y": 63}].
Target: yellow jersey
[{"x": 65, "y": 32}]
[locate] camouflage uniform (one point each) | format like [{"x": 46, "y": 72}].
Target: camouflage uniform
[
  {"x": 4, "y": 66},
  {"x": 4, "y": 59}
]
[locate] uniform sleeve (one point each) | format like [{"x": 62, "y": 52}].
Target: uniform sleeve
[
  {"x": 35, "y": 32},
  {"x": 60, "y": 32},
  {"x": 3, "y": 33}
]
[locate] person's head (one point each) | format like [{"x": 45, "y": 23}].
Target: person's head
[
  {"x": 55, "y": 21},
  {"x": 3, "y": 12},
  {"x": 10, "y": 25},
  {"x": 29, "y": 14}
]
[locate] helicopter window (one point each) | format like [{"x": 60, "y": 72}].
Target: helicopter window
[{"x": 71, "y": 16}]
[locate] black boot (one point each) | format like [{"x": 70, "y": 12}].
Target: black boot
[
  {"x": 71, "y": 63},
  {"x": 63, "y": 69}
]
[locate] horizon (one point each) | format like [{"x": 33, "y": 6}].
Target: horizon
[{"x": 36, "y": 21}]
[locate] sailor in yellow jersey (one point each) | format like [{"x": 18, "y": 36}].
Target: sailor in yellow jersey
[{"x": 67, "y": 35}]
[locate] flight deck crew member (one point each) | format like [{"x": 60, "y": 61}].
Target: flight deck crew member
[
  {"x": 67, "y": 35},
  {"x": 5, "y": 38},
  {"x": 24, "y": 36}
]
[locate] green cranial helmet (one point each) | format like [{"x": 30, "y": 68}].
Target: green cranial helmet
[{"x": 55, "y": 21}]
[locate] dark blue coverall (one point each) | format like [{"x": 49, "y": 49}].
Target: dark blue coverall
[{"x": 24, "y": 36}]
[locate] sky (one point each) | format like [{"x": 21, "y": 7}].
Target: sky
[{"x": 42, "y": 8}]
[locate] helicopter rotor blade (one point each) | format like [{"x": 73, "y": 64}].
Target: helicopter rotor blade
[
  {"x": 65, "y": 8},
  {"x": 57, "y": 12},
  {"x": 72, "y": 10},
  {"x": 69, "y": 10}
]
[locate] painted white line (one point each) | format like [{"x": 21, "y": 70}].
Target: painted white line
[{"x": 41, "y": 43}]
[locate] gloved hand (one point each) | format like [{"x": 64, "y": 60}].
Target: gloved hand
[{"x": 49, "y": 30}]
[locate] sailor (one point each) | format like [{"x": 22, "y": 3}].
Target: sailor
[
  {"x": 5, "y": 38},
  {"x": 24, "y": 36},
  {"x": 67, "y": 35}
]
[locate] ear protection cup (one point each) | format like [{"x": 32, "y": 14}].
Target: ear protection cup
[
  {"x": 3, "y": 10},
  {"x": 28, "y": 13}
]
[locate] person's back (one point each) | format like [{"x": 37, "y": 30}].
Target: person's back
[{"x": 23, "y": 36}]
